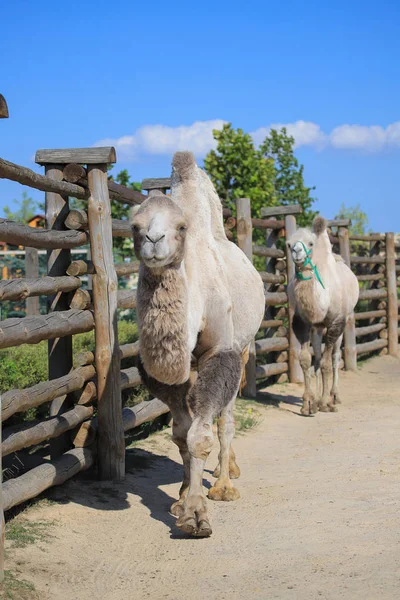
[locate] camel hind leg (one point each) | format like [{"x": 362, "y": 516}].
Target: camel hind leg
[
  {"x": 335, "y": 364},
  {"x": 333, "y": 337},
  {"x": 302, "y": 332}
]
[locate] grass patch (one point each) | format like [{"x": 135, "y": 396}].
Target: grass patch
[
  {"x": 21, "y": 532},
  {"x": 16, "y": 589},
  {"x": 246, "y": 415}
]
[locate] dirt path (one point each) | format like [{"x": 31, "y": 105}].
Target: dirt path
[{"x": 319, "y": 514}]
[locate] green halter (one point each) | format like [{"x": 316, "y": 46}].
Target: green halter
[{"x": 307, "y": 262}]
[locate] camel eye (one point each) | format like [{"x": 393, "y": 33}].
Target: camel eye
[
  {"x": 288, "y": 245},
  {"x": 311, "y": 244},
  {"x": 135, "y": 229},
  {"x": 182, "y": 228}
]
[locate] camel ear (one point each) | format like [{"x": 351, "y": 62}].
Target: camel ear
[{"x": 319, "y": 225}]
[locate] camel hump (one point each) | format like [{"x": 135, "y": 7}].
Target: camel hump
[
  {"x": 184, "y": 165},
  {"x": 319, "y": 225}
]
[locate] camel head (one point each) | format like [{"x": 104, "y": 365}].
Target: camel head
[
  {"x": 301, "y": 244},
  {"x": 159, "y": 232}
]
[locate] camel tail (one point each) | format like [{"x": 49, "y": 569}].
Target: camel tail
[{"x": 245, "y": 359}]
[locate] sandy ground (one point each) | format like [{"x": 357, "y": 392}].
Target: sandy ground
[{"x": 319, "y": 514}]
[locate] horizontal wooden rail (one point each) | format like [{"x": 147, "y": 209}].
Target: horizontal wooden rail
[
  {"x": 268, "y": 224},
  {"x": 368, "y": 347},
  {"x": 15, "y": 401},
  {"x": 87, "y": 156},
  {"x": 131, "y": 417},
  {"x": 370, "y": 329},
  {"x": 37, "y": 480},
  {"x": 18, "y": 289},
  {"x": 24, "y": 176},
  {"x": 371, "y": 314},
  {"x": 274, "y": 211},
  {"x": 269, "y": 252},
  {"x": 371, "y": 277},
  {"x": 129, "y": 350},
  {"x": 271, "y": 323},
  {"x": 80, "y": 267},
  {"x": 263, "y": 371},
  {"x": 373, "y": 294},
  {"x": 339, "y": 222},
  {"x": 35, "y": 237},
  {"x": 272, "y": 278},
  {"x": 31, "y": 330},
  {"x": 370, "y": 237},
  {"x": 28, "y": 434},
  {"x": 130, "y": 378},
  {"x": 370, "y": 260},
  {"x": 275, "y": 298},
  {"x": 78, "y": 220},
  {"x": 126, "y": 299},
  {"x": 272, "y": 344},
  {"x": 126, "y": 268}
]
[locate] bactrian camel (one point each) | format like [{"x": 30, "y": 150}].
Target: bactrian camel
[
  {"x": 324, "y": 292},
  {"x": 197, "y": 295}
]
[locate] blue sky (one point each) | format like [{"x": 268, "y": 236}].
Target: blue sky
[{"x": 78, "y": 74}]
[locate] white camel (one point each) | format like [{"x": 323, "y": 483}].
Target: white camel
[
  {"x": 198, "y": 295},
  {"x": 324, "y": 292}
]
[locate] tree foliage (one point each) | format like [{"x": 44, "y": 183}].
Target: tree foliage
[
  {"x": 26, "y": 209},
  {"x": 359, "y": 219},
  {"x": 269, "y": 175}
]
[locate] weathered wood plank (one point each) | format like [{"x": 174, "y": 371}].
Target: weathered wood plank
[
  {"x": 34, "y": 432},
  {"x": 31, "y": 330},
  {"x": 370, "y": 237},
  {"x": 392, "y": 302},
  {"x": 360, "y": 331},
  {"x": 85, "y": 156},
  {"x": 264, "y": 371},
  {"x": 15, "y": 401},
  {"x": 129, "y": 377},
  {"x": 368, "y": 260},
  {"x": 80, "y": 267},
  {"x": 373, "y": 294},
  {"x": 371, "y": 277},
  {"x": 270, "y": 252},
  {"x": 244, "y": 233},
  {"x": 371, "y": 314},
  {"x": 24, "y": 176},
  {"x": 111, "y": 445},
  {"x": 268, "y": 224},
  {"x": 128, "y": 350},
  {"x": 32, "y": 272},
  {"x": 126, "y": 298},
  {"x": 127, "y": 268},
  {"x": 274, "y": 211},
  {"x": 23, "y": 235},
  {"x": 156, "y": 183},
  {"x": 271, "y": 323},
  {"x": 18, "y": 289},
  {"x": 275, "y": 298},
  {"x": 37, "y": 480},
  {"x": 81, "y": 300},
  {"x": 295, "y": 370},
  {"x": 339, "y": 222},
  {"x": 272, "y": 344},
  {"x": 371, "y": 346},
  {"x": 350, "y": 354},
  {"x": 78, "y": 219},
  {"x": 272, "y": 278}
]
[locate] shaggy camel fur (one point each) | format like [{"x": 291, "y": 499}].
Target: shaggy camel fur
[
  {"x": 324, "y": 292},
  {"x": 198, "y": 295}
]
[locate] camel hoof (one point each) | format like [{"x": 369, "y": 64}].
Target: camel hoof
[
  {"x": 191, "y": 526},
  {"x": 324, "y": 408},
  {"x": 305, "y": 411},
  {"x": 177, "y": 509},
  {"x": 332, "y": 408},
  {"x": 314, "y": 408},
  {"x": 223, "y": 493}
]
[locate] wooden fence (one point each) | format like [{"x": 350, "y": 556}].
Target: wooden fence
[{"x": 87, "y": 422}]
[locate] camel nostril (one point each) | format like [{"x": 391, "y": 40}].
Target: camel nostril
[{"x": 157, "y": 237}]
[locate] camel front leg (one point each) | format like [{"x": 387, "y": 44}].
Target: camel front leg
[
  {"x": 180, "y": 429},
  {"x": 216, "y": 385},
  {"x": 333, "y": 336},
  {"x": 223, "y": 488},
  {"x": 302, "y": 332}
]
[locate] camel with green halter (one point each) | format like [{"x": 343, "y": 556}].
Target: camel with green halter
[{"x": 323, "y": 292}]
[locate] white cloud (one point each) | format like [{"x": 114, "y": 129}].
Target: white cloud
[
  {"x": 161, "y": 139},
  {"x": 197, "y": 137}
]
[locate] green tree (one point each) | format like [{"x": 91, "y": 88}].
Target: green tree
[
  {"x": 289, "y": 179},
  {"x": 359, "y": 219},
  {"x": 269, "y": 175},
  {"x": 123, "y": 246},
  {"x": 26, "y": 209}
]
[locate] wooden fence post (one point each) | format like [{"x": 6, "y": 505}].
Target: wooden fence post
[
  {"x": 58, "y": 261},
  {"x": 111, "y": 441},
  {"x": 350, "y": 351},
  {"x": 32, "y": 272},
  {"x": 295, "y": 371},
  {"x": 244, "y": 229},
  {"x": 392, "y": 303}
]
